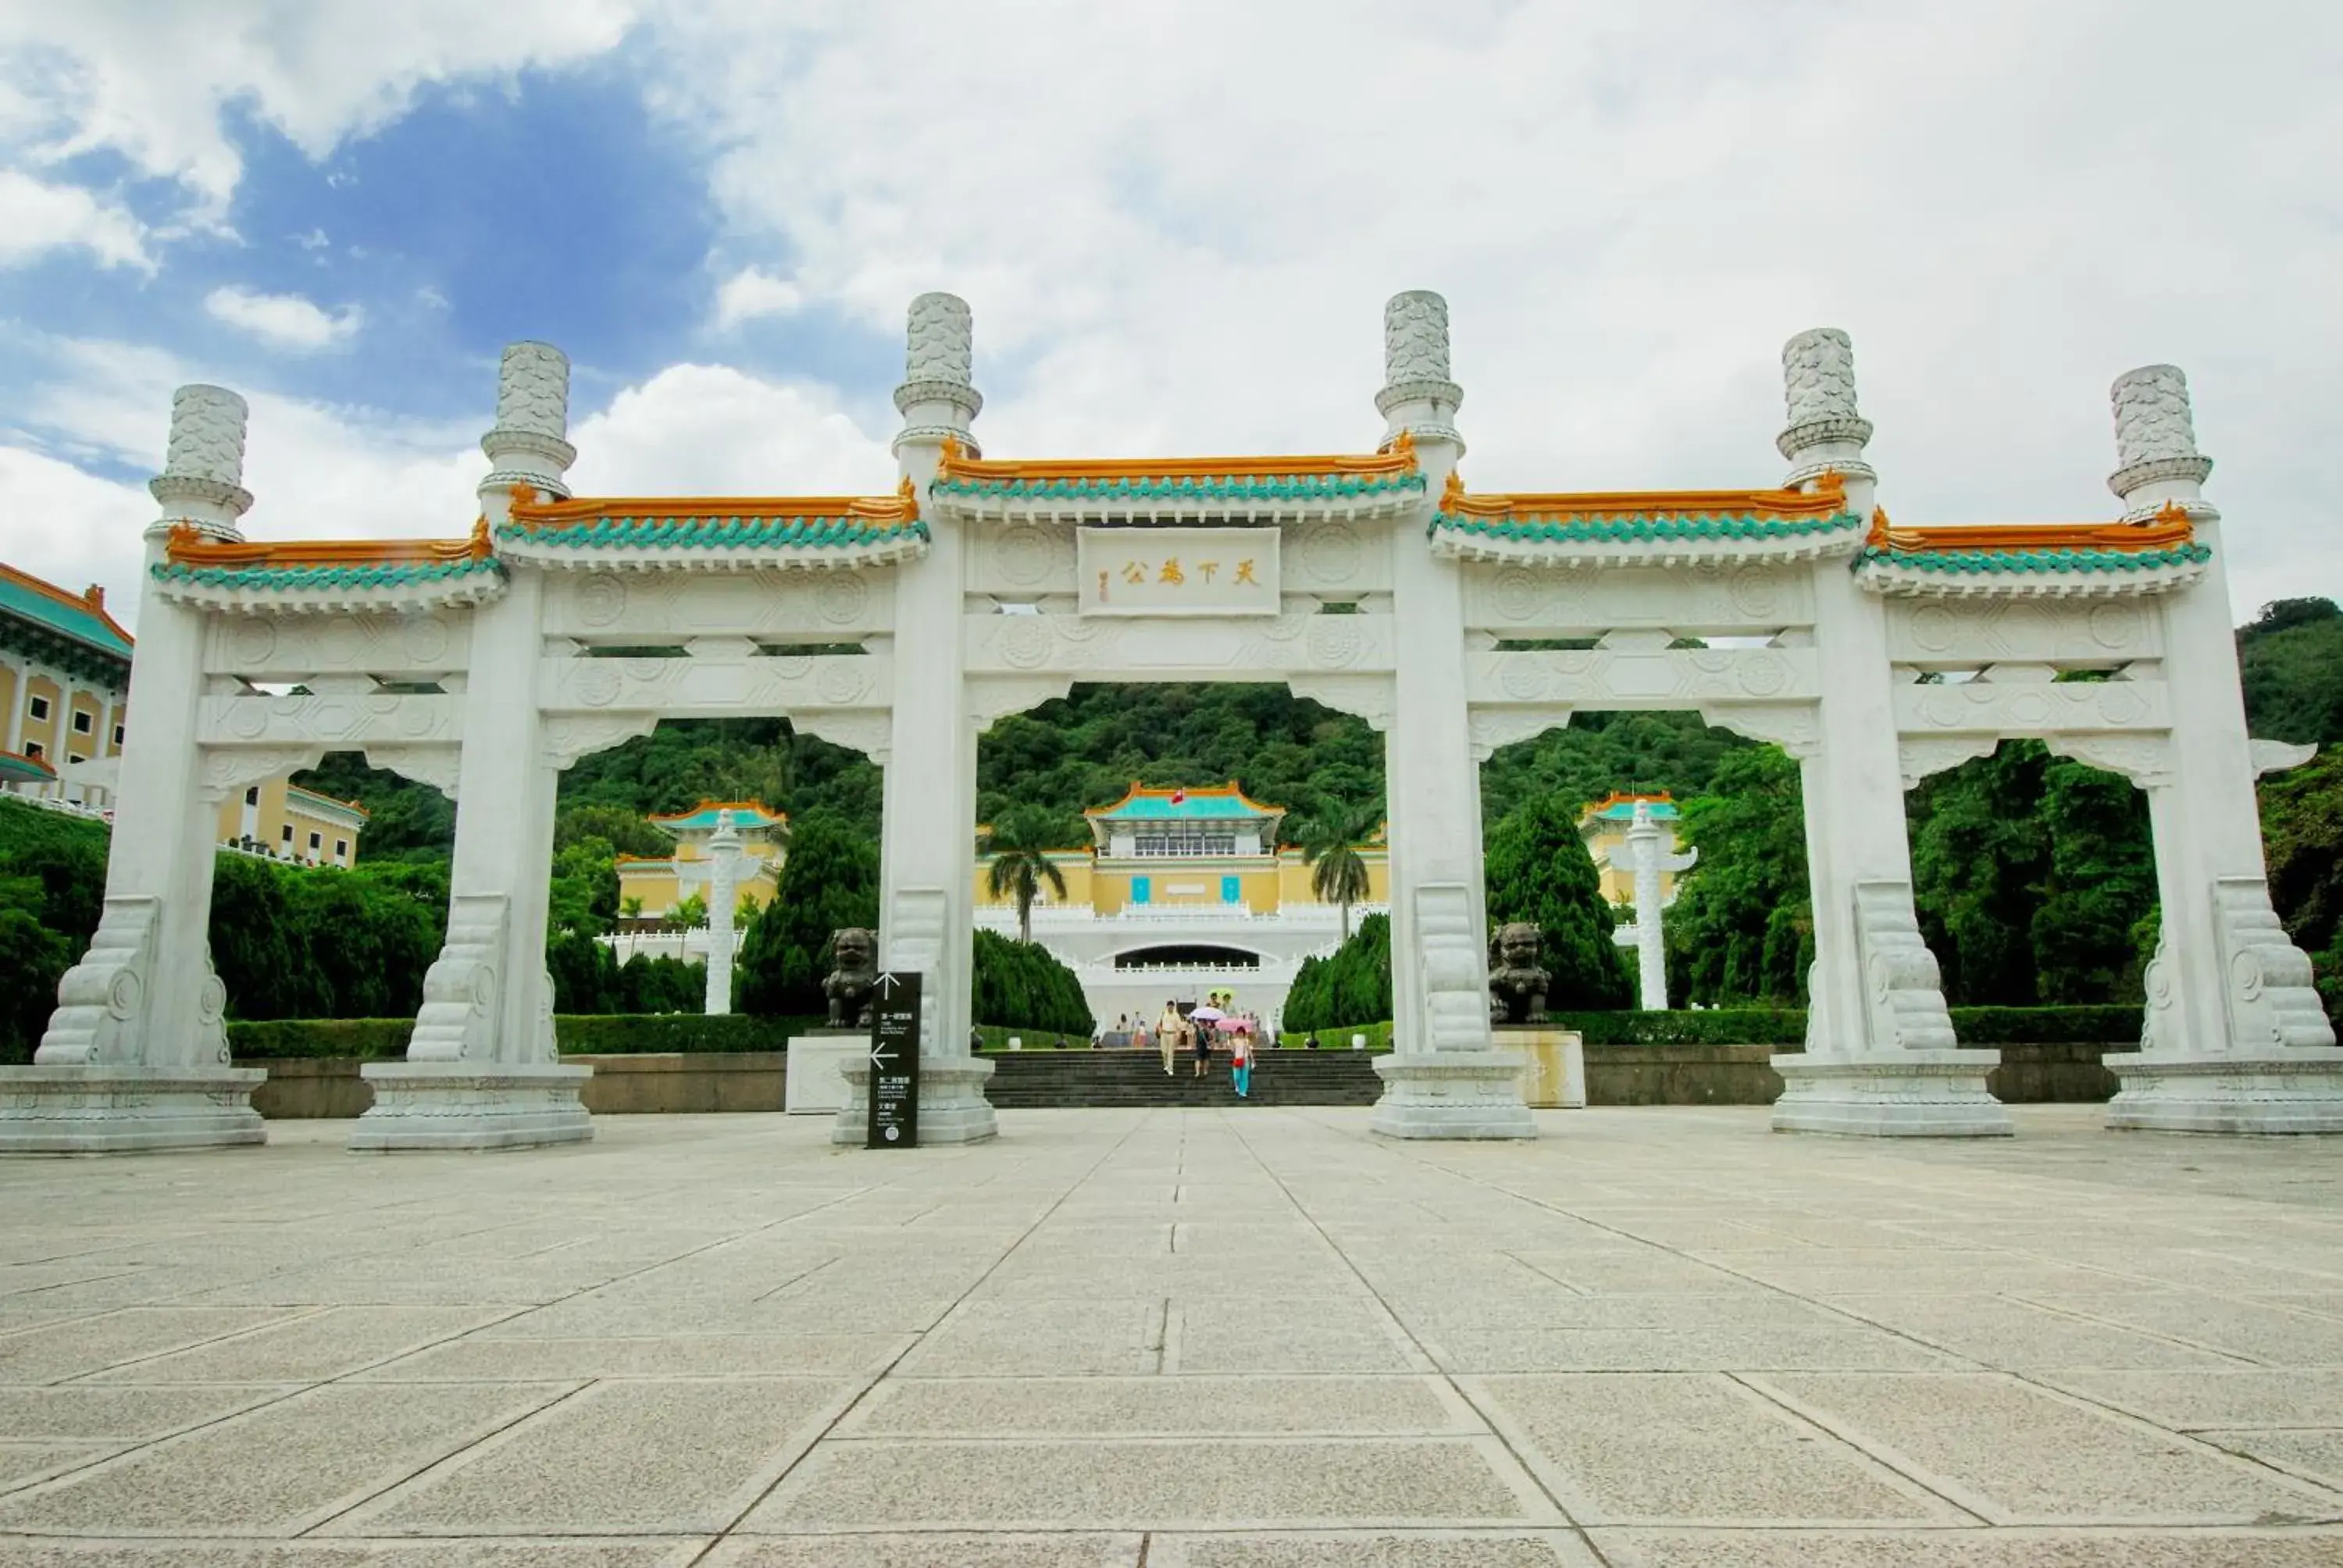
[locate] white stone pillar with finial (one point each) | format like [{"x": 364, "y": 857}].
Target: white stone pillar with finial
[
  {"x": 482, "y": 1070},
  {"x": 2235, "y": 1038},
  {"x": 135, "y": 1056},
  {"x": 1880, "y": 1057},
  {"x": 1447, "y": 1078},
  {"x": 1648, "y": 853},
  {"x": 723, "y": 891},
  {"x": 927, "y": 917}
]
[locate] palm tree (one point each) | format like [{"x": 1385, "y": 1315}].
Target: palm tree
[
  {"x": 1020, "y": 848},
  {"x": 1331, "y": 842}
]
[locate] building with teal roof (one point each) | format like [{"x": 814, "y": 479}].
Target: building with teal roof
[{"x": 64, "y": 682}]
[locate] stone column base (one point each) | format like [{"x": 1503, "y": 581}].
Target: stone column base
[
  {"x": 814, "y": 1085},
  {"x": 1452, "y": 1094},
  {"x": 1895, "y": 1094},
  {"x": 2290, "y": 1089},
  {"x": 952, "y": 1107},
  {"x": 94, "y": 1108},
  {"x": 472, "y": 1105}
]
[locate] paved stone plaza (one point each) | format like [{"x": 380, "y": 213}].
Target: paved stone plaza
[{"x": 1182, "y": 1338}]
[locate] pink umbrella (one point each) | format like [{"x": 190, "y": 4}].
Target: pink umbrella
[{"x": 1241, "y": 1026}]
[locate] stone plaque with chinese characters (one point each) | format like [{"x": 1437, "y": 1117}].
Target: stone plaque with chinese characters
[{"x": 1178, "y": 571}]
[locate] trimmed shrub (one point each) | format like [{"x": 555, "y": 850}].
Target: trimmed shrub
[
  {"x": 314, "y": 1039},
  {"x": 1022, "y": 985},
  {"x": 599, "y": 1034}
]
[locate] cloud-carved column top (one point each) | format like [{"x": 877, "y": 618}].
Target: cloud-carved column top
[
  {"x": 202, "y": 479},
  {"x": 530, "y": 444},
  {"x": 2155, "y": 429},
  {"x": 533, "y": 389},
  {"x": 1818, "y": 392},
  {"x": 1416, "y": 368},
  {"x": 939, "y": 363}
]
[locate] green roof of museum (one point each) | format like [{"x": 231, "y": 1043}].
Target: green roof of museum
[
  {"x": 1222, "y": 802},
  {"x": 80, "y": 617}
]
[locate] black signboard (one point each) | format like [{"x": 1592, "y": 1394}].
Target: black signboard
[{"x": 895, "y": 1064}]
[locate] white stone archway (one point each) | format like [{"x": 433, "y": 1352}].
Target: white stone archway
[{"x": 1377, "y": 584}]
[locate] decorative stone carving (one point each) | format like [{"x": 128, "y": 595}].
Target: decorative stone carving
[
  {"x": 1904, "y": 999},
  {"x": 2145, "y": 759},
  {"x": 441, "y": 767},
  {"x": 101, "y": 1001},
  {"x": 941, "y": 340},
  {"x": 564, "y": 740},
  {"x": 459, "y": 1019},
  {"x": 1492, "y": 728},
  {"x": 2277, "y": 756},
  {"x": 533, "y": 389},
  {"x": 2270, "y": 999},
  {"x": 2156, "y": 433},
  {"x": 1649, "y": 852},
  {"x": 529, "y": 444},
  {"x": 1918, "y": 758},
  {"x": 207, "y": 433},
  {"x": 1793, "y": 727},
  {"x": 853, "y": 977},
  {"x": 226, "y": 770},
  {"x": 1517, "y": 982},
  {"x": 1367, "y": 696},
  {"x": 202, "y": 481},
  {"x": 869, "y": 731},
  {"x": 993, "y": 699},
  {"x": 723, "y": 890},
  {"x": 916, "y": 922},
  {"x": 1453, "y": 965},
  {"x": 1415, "y": 337},
  {"x": 1818, "y": 397}
]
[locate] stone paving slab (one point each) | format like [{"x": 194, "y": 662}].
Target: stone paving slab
[{"x": 1248, "y": 1338}]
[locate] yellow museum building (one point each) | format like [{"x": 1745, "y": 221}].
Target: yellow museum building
[
  {"x": 661, "y": 882},
  {"x": 1603, "y": 827},
  {"x": 1186, "y": 850}
]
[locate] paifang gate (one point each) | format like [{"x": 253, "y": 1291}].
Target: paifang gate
[{"x": 1379, "y": 584}]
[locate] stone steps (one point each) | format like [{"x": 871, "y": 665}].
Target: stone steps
[{"x": 1067, "y": 1080}]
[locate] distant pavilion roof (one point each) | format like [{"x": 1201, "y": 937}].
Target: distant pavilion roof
[
  {"x": 1221, "y": 803},
  {"x": 1620, "y": 807},
  {"x": 701, "y": 819},
  {"x": 18, "y": 769}
]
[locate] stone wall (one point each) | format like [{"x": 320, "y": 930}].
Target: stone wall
[{"x": 1616, "y": 1075}]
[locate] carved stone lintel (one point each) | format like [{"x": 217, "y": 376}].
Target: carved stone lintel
[
  {"x": 2277, "y": 756},
  {"x": 438, "y": 766},
  {"x": 1918, "y": 758},
  {"x": 462, "y": 988},
  {"x": 563, "y": 740},
  {"x": 228, "y": 769},
  {"x": 1492, "y": 727},
  {"x": 869, "y": 731},
  {"x": 1796, "y": 728},
  {"x": 2145, "y": 759},
  {"x": 993, "y": 697},
  {"x": 1367, "y": 696}
]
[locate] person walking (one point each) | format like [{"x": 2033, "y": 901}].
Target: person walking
[
  {"x": 1203, "y": 1046},
  {"x": 1240, "y": 1063},
  {"x": 1167, "y": 1037}
]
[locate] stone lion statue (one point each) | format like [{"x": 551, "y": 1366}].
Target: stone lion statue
[
  {"x": 1517, "y": 981},
  {"x": 853, "y": 977}
]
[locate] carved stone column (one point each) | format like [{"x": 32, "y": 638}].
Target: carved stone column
[
  {"x": 482, "y": 1071},
  {"x": 1645, "y": 858},
  {"x": 723, "y": 889},
  {"x": 1880, "y": 1059},
  {"x": 928, "y": 833},
  {"x": 136, "y": 1057},
  {"x": 1445, "y": 1077},
  {"x": 2234, "y": 1039}
]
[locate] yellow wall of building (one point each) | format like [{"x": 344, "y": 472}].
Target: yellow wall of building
[
  {"x": 1266, "y": 884},
  {"x": 52, "y": 736},
  {"x": 1619, "y": 887},
  {"x": 282, "y": 821}
]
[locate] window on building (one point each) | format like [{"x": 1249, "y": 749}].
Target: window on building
[
  {"x": 117, "y": 735},
  {"x": 34, "y": 749},
  {"x": 341, "y": 848},
  {"x": 316, "y": 843},
  {"x": 84, "y": 723},
  {"x": 289, "y": 833},
  {"x": 40, "y": 707},
  {"x": 1185, "y": 843},
  {"x": 252, "y": 795}
]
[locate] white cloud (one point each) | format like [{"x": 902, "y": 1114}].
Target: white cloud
[
  {"x": 750, "y": 293},
  {"x": 150, "y": 81},
  {"x": 283, "y": 320},
  {"x": 1174, "y": 244},
  {"x": 73, "y": 527},
  {"x": 710, "y": 430},
  {"x": 36, "y": 218}
]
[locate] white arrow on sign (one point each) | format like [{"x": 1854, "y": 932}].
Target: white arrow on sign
[
  {"x": 878, "y": 1057},
  {"x": 888, "y": 982}
]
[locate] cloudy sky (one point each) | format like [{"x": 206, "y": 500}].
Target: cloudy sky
[{"x": 1177, "y": 224}]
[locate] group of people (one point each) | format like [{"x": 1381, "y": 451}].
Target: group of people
[{"x": 1196, "y": 1034}]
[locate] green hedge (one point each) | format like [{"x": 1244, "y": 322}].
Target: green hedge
[
  {"x": 1718, "y": 1026},
  {"x": 377, "y": 1039}
]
